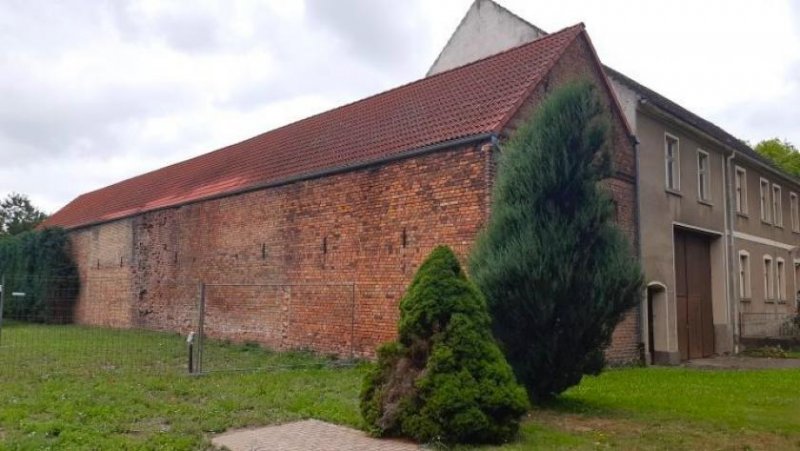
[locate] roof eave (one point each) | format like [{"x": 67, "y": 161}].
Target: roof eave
[
  {"x": 444, "y": 145},
  {"x": 654, "y": 109}
]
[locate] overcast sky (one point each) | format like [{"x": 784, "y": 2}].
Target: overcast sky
[{"x": 93, "y": 92}]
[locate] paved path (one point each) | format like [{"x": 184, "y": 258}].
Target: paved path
[
  {"x": 742, "y": 363},
  {"x": 307, "y": 435}
]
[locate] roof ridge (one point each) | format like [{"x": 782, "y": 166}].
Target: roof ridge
[
  {"x": 340, "y": 107},
  {"x": 510, "y": 49},
  {"x": 521, "y": 101}
]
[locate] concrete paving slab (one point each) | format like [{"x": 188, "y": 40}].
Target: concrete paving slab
[
  {"x": 742, "y": 363},
  {"x": 307, "y": 435}
]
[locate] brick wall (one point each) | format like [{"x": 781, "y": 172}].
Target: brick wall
[
  {"x": 103, "y": 255},
  {"x": 338, "y": 251},
  {"x": 313, "y": 239}
]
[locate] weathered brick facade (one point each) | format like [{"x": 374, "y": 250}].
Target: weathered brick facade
[
  {"x": 337, "y": 251},
  {"x": 371, "y": 227}
]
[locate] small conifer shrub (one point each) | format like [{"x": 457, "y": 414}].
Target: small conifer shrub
[
  {"x": 444, "y": 379},
  {"x": 557, "y": 273}
]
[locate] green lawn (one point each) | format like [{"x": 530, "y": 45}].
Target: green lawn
[{"x": 79, "y": 388}]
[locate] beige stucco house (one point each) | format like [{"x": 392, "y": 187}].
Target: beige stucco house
[{"x": 719, "y": 226}]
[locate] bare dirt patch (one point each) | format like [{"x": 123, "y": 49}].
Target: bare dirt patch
[{"x": 630, "y": 434}]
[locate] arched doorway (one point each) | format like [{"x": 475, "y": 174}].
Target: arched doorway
[{"x": 656, "y": 321}]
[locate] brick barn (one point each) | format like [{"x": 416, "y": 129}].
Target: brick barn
[{"x": 359, "y": 194}]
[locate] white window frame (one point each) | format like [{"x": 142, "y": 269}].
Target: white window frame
[
  {"x": 740, "y": 187},
  {"x": 703, "y": 176},
  {"x": 674, "y": 160},
  {"x": 780, "y": 279},
  {"x": 794, "y": 211},
  {"x": 745, "y": 291},
  {"x": 777, "y": 205},
  {"x": 764, "y": 192},
  {"x": 769, "y": 279}
]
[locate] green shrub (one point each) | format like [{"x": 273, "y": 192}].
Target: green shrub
[
  {"x": 444, "y": 379},
  {"x": 38, "y": 263},
  {"x": 556, "y": 272}
]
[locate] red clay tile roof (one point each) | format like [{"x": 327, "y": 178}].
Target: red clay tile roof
[{"x": 470, "y": 100}]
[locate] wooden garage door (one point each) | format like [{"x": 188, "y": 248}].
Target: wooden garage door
[{"x": 693, "y": 295}]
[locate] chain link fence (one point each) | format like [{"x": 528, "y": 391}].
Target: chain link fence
[
  {"x": 50, "y": 327},
  {"x": 274, "y": 326},
  {"x": 180, "y": 327},
  {"x": 770, "y": 325}
]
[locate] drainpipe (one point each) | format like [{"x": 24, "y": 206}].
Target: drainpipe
[
  {"x": 644, "y": 333},
  {"x": 491, "y": 172},
  {"x": 733, "y": 299},
  {"x": 496, "y": 142}
]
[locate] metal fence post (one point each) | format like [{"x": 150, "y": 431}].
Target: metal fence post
[
  {"x": 2, "y": 304},
  {"x": 741, "y": 325},
  {"x": 352, "y": 321},
  {"x": 198, "y": 365},
  {"x": 190, "y": 346}
]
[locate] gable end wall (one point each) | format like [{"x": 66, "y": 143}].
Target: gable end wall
[{"x": 578, "y": 63}]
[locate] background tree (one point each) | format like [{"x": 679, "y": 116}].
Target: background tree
[
  {"x": 39, "y": 263},
  {"x": 444, "y": 379},
  {"x": 557, "y": 273},
  {"x": 782, "y": 153},
  {"x": 18, "y": 215}
]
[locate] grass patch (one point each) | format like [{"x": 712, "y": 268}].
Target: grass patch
[
  {"x": 79, "y": 387},
  {"x": 71, "y": 387}
]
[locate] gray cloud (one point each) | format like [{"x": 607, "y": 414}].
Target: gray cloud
[
  {"x": 760, "y": 119},
  {"x": 52, "y": 120},
  {"x": 386, "y": 32},
  {"x": 34, "y": 28},
  {"x": 193, "y": 28},
  {"x": 95, "y": 91}
]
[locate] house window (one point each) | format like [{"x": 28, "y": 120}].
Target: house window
[
  {"x": 703, "y": 176},
  {"x": 744, "y": 275},
  {"x": 672, "y": 161},
  {"x": 764, "y": 194},
  {"x": 741, "y": 190},
  {"x": 777, "y": 207},
  {"x": 769, "y": 277},
  {"x": 794, "y": 211},
  {"x": 780, "y": 279}
]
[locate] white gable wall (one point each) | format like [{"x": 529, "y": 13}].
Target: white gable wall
[{"x": 487, "y": 29}]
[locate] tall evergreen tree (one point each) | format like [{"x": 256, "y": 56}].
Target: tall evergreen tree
[
  {"x": 444, "y": 379},
  {"x": 557, "y": 273}
]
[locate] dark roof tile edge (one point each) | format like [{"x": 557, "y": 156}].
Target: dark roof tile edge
[
  {"x": 697, "y": 121},
  {"x": 435, "y": 147}
]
